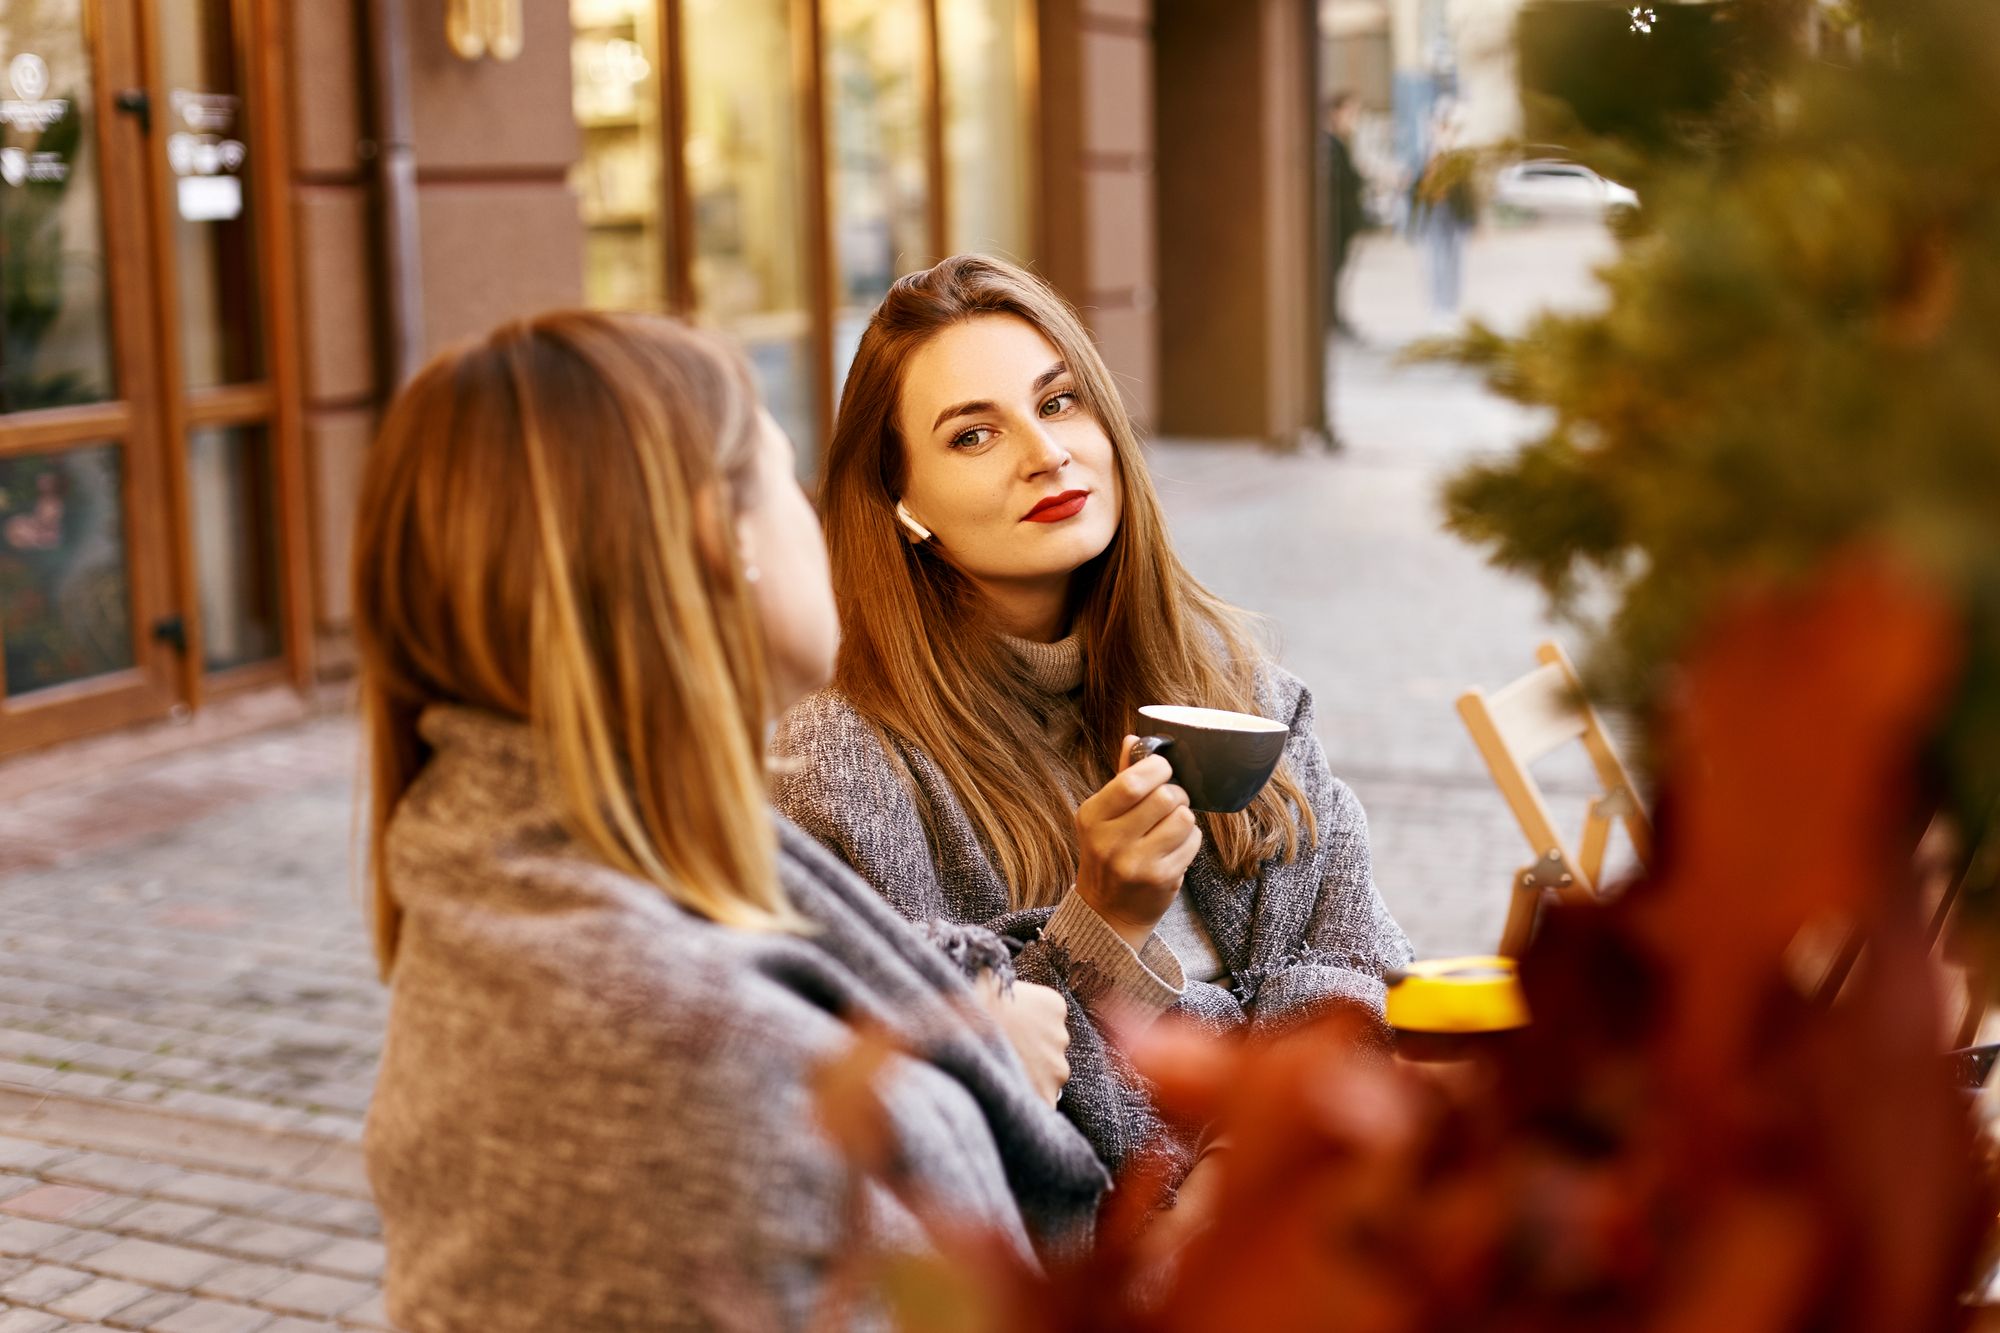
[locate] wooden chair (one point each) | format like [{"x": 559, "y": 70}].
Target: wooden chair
[{"x": 1515, "y": 726}]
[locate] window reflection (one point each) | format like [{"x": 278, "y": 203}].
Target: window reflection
[
  {"x": 209, "y": 152},
  {"x": 55, "y": 336},
  {"x": 874, "y": 54},
  {"x": 235, "y": 545},
  {"x": 64, "y": 597},
  {"x": 744, "y": 173},
  {"x": 986, "y": 126},
  {"x": 615, "y": 80}
]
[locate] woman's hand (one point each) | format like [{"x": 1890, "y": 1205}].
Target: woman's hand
[
  {"x": 1135, "y": 839},
  {"x": 1036, "y": 1020}
]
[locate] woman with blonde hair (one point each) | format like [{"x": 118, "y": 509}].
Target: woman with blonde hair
[
  {"x": 585, "y": 581},
  {"x": 1009, "y": 599}
]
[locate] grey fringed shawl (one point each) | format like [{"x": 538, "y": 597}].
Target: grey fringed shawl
[
  {"x": 1293, "y": 938},
  {"x": 594, "y": 1109}
]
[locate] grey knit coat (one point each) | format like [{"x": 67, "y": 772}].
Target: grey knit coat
[
  {"x": 1293, "y": 938},
  {"x": 594, "y": 1107}
]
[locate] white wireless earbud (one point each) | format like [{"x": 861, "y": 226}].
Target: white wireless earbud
[{"x": 923, "y": 534}]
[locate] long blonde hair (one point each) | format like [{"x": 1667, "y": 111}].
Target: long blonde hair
[
  {"x": 527, "y": 545},
  {"x": 920, "y": 655}
]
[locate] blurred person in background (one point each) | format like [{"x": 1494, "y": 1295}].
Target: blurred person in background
[
  {"x": 1009, "y": 599},
  {"x": 1347, "y": 207},
  {"x": 1443, "y": 207},
  {"x": 585, "y": 582}
]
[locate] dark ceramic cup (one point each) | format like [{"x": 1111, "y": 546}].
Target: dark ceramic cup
[{"x": 1221, "y": 760}]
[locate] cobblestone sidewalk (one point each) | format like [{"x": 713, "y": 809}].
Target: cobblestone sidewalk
[
  {"x": 114, "y": 1218},
  {"x": 216, "y": 967}
]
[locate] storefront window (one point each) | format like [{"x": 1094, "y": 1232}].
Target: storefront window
[
  {"x": 64, "y": 597},
  {"x": 986, "y": 127},
  {"x": 235, "y": 545},
  {"x": 744, "y": 173},
  {"x": 875, "y": 52},
  {"x": 209, "y": 153},
  {"x": 55, "y": 332},
  {"x": 615, "y": 77}
]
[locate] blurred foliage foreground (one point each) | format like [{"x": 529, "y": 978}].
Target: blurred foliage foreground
[
  {"x": 1801, "y": 348},
  {"x": 1681, "y": 1141}
]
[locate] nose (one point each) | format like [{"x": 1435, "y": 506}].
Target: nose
[{"x": 1045, "y": 454}]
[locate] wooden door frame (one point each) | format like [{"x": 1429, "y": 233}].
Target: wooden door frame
[
  {"x": 131, "y": 421},
  {"x": 274, "y": 402}
]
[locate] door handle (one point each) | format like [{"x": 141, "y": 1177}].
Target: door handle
[
  {"x": 172, "y": 630},
  {"x": 136, "y": 102}
]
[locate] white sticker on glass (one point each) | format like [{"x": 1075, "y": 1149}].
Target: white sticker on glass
[
  {"x": 210, "y": 198},
  {"x": 28, "y": 75}
]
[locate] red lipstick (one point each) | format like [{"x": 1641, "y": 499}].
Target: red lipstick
[{"x": 1057, "y": 507}]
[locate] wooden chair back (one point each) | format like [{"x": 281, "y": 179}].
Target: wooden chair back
[{"x": 1519, "y": 724}]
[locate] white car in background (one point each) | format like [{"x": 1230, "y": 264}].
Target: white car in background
[{"x": 1551, "y": 187}]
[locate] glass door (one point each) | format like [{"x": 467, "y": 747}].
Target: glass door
[
  {"x": 143, "y": 564},
  {"x": 223, "y": 417},
  {"x": 87, "y": 597}
]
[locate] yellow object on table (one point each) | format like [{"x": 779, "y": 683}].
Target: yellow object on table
[{"x": 1478, "y": 994}]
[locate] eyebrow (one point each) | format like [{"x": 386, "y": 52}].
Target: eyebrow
[{"x": 1042, "y": 381}]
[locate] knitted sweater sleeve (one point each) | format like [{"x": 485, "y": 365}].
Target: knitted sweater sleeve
[{"x": 1344, "y": 938}]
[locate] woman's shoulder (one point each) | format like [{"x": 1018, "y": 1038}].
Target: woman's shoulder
[
  {"x": 1283, "y": 697},
  {"x": 825, "y": 725}
]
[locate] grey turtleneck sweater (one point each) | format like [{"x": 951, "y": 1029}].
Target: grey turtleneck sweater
[{"x": 1276, "y": 946}]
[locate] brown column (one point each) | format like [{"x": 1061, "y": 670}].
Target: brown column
[
  {"x": 1240, "y": 349},
  {"x": 495, "y": 142},
  {"x": 1096, "y": 190},
  {"x": 340, "y": 372}
]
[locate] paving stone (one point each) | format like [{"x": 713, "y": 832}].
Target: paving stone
[
  {"x": 241, "y": 1282},
  {"x": 51, "y": 1203},
  {"x": 154, "y": 1263},
  {"x": 210, "y": 1317},
  {"x": 30, "y": 1321},
  {"x": 311, "y": 1294},
  {"x": 78, "y": 1248},
  {"x": 253, "y": 1237},
  {"x": 27, "y": 1155},
  {"x": 164, "y": 1220},
  {"x": 127, "y": 1175},
  {"x": 21, "y": 1237},
  {"x": 290, "y": 1324},
  {"x": 100, "y": 1300},
  {"x": 43, "y": 1283},
  {"x": 215, "y": 1191},
  {"x": 330, "y": 1212},
  {"x": 349, "y": 1258},
  {"x": 104, "y": 1213},
  {"x": 147, "y": 1313},
  {"x": 368, "y": 1314}
]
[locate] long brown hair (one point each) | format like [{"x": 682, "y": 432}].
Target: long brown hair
[
  {"x": 920, "y": 655},
  {"x": 527, "y": 545}
]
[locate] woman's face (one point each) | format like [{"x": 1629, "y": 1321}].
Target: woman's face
[
  {"x": 1007, "y": 468},
  {"x": 778, "y": 536}
]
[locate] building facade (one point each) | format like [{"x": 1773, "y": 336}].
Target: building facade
[{"x": 228, "y": 228}]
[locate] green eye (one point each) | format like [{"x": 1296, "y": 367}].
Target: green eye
[
  {"x": 1057, "y": 405},
  {"x": 973, "y": 438}
]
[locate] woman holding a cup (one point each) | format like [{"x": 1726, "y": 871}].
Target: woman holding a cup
[{"x": 1009, "y": 601}]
